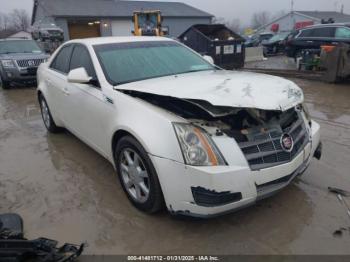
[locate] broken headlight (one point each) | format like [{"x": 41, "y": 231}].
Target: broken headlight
[
  {"x": 303, "y": 108},
  {"x": 197, "y": 147}
]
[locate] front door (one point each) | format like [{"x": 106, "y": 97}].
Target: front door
[{"x": 85, "y": 107}]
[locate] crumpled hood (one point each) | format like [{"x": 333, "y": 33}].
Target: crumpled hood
[{"x": 225, "y": 88}]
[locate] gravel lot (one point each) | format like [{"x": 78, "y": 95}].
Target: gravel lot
[{"x": 66, "y": 191}]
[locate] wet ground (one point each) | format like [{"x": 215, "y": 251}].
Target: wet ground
[
  {"x": 66, "y": 191},
  {"x": 274, "y": 62}
]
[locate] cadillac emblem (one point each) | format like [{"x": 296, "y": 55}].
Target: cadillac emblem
[{"x": 287, "y": 143}]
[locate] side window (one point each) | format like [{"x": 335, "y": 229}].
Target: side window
[
  {"x": 61, "y": 61},
  {"x": 81, "y": 58},
  {"x": 323, "y": 32},
  {"x": 342, "y": 32},
  {"x": 306, "y": 33}
]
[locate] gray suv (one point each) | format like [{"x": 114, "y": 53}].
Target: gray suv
[{"x": 19, "y": 61}]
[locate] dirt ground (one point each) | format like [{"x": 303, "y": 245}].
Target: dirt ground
[{"x": 66, "y": 191}]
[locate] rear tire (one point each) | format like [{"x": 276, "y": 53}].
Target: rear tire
[
  {"x": 138, "y": 176},
  {"x": 47, "y": 117}
]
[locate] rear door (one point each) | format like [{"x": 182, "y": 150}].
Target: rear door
[
  {"x": 314, "y": 38},
  {"x": 323, "y": 36},
  {"x": 86, "y": 107}
]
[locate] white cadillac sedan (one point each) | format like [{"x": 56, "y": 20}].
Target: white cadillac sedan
[{"x": 180, "y": 131}]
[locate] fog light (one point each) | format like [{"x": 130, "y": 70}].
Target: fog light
[{"x": 9, "y": 74}]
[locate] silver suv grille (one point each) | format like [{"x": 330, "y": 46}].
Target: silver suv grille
[
  {"x": 266, "y": 150},
  {"x": 29, "y": 63}
]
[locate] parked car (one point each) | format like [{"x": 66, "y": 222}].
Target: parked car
[
  {"x": 314, "y": 37},
  {"x": 47, "y": 31},
  {"x": 258, "y": 39},
  {"x": 178, "y": 129},
  {"x": 276, "y": 44},
  {"x": 19, "y": 61}
]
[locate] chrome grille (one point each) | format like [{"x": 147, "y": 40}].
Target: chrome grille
[
  {"x": 29, "y": 62},
  {"x": 265, "y": 150}
]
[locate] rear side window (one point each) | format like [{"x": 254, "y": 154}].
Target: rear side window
[
  {"x": 342, "y": 32},
  {"x": 323, "y": 32},
  {"x": 326, "y": 32},
  {"x": 306, "y": 33},
  {"x": 81, "y": 58},
  {"x": 61, "y": 61}
]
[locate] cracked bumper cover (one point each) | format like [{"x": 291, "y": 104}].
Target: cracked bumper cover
[{"x": 238, "y": 184}]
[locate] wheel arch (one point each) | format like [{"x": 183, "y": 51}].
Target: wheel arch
[{"x": 119, "y": 134}]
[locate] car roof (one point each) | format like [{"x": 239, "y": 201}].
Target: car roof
[
  {"x": 326, "y": 25},
  {"x": 117, "y": 39}
]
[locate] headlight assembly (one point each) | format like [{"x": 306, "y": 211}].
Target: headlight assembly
[
  {"x": 197, "y": 147},
  {"x": 306, "y": 112},
  {"x": 8, "y": 63}
]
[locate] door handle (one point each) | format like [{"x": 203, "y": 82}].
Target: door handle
[
  {"x": 65, "y": 91},
  {"x": 310, "y": 42}
]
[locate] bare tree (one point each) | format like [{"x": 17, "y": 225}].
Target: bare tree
[
  {"x": 261, "y": 18},
  {"x": 5, "y": 22},
  {"x": 235, "y": 25},
  {"x": 20, "y": 19}
]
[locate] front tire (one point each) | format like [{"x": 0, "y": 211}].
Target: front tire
[
  {"x": 47, "y": 117},
  {"x": 138, "y": 176},
  {"x": 4, "y": 84}
]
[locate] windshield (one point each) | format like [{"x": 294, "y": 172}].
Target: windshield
[
  {"x": 19, "y": 46},
  {"x": 278, "y": 37},
  {"x": 129, "y": 62},
  {"x": 148, "y": 20}
]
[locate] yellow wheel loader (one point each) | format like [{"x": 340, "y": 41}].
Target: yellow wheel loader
[{"x": 148, "y": 23}]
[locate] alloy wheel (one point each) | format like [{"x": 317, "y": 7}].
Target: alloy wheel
[
  {"x": 45, "y": 113},
  {"x": 134, "y": 175}
]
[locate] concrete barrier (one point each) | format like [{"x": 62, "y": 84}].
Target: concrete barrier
[{"x": 253, "y": 54}]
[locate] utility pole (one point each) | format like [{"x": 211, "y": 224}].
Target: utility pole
[
  {"x": 292, "y": 5},
  {"x": 342, "y": 9}
]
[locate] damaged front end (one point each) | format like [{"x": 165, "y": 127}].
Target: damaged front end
[
  {"x": 243, "y": 154},
  {"x": 267, "y": 138}
]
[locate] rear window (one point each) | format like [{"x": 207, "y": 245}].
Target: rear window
[
  {"x": 19, "y": 46},
  {"x": 342, "y": 32}
]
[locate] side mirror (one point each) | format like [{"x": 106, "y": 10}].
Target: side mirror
[
  {"x": 209, "y": 59},
  {"x": 79, "y": 76}
]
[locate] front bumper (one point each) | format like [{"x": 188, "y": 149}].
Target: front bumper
[
  {"x": 16, "y": 75},
  {"x": 186, "y": 189}
]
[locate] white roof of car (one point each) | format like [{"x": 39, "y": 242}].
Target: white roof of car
[{"x": 115, "y": 39}]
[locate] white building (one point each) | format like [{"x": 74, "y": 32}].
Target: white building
[{"x": 300, "y": 19}]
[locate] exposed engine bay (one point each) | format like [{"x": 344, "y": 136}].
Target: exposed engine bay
[{"x": 243, "y": 124}]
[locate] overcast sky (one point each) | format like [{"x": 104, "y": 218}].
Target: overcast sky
[{"x": 229, "y": 9}]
